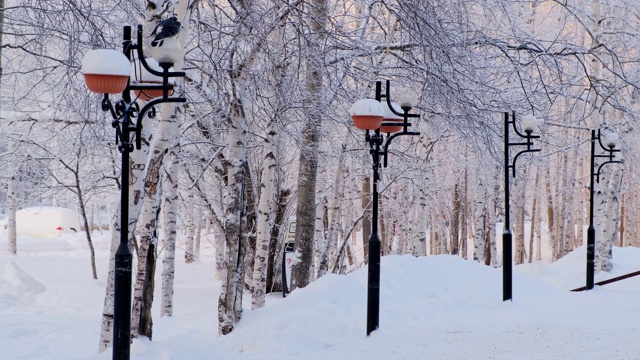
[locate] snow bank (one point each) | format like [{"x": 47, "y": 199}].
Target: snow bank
[{"x": 17, "y": 286}]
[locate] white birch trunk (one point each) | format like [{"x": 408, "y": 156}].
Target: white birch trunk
[
  {"x": 167, "y": 128},
  {"x": 230, "y": 300},
  {"x": 106, "y": 333},
  {"x": 219, "y": 243},
  {"x": 333, "y": 235},
  {"x": 600, "y": 199},
  {"x": 165, "y": 134},
  {"x": 492, "y": 213},
  {"x": 198, "y": 230},
  {"x": 478, "y": 240},
  {"x": 568, "y": 205},
  {"x": 231, "y": 275},
  {"x": 464, "y": 211},
  {"x": 612, "y": 213},
  {"x": 265, "y": 209},
  {"x": 137, "y": 169},
  {"x": 420, "y": 234},
  {"x": 320, "y": 235},
  {"x": 169, "y": 208},
  {"x": 11, "y": 221},
  {"x": 581, "y": 203},
  {"x": 518, "y": 224},
  {"x": 410, "y": 229},
  {"x": 190, "y": 231}
]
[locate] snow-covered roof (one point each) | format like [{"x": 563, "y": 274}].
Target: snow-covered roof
[{"x": 106, "y": 62}]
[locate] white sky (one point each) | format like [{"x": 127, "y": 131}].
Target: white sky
[{"x": 435, "y": 307}]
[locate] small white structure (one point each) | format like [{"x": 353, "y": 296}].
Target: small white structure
[{"x": 44, "y": 222}]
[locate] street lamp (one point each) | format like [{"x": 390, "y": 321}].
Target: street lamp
[
  {"x": 528, "y": 123},
  {"x": 100, "y": 74},
  {"x": 610, "y": 142},
  {"x": 371, "y": 115}
]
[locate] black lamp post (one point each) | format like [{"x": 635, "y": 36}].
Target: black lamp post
[
  {"x": 394, "y": 120},
  {"x": 127, "y": 120},
  {"x": 611, "y": 141},
  {"x": 528, "y": 124}
]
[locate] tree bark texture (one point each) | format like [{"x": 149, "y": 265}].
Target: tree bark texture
[
  {"x": 308, "y": 161},
  {"x": 265, "y": 211},
  {"x": 169, "y": 209}
]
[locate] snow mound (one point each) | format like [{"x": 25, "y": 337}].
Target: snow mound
[
  {"x": 106, "y": 62},
  {"x": 413, "y": 291},
  {"x": 368, "y": 107},
  {"x": 17, "y": 286}
]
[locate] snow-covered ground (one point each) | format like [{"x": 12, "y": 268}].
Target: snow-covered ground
[{"x": 435, "y": 307}]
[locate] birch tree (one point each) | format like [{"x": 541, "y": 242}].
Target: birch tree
[
  {"x": 169, "y": 209},
  {"x": 479, "y": 216},
  {"x": 308, "y": 161},
  {"x": 264, "y": 221}
]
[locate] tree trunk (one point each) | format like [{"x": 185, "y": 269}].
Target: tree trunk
[
  {"x": 146, "y": 322},
  {"x": 11, "y": 209},
  {"x": 250, "y": 226},
  {"x": 275, "y": 237},
  {"x": 87, "y": 227},
  {"x": 265, "y": 209},
  {"x": 455, "y": 220},
  {"x": 519, "y": 255},
  {"x": 198, "y": 234},
  {"x": 550, "y": 212},
  {"x": 308, "y": 163},
  {"x": 464, "y": 219},
  {"x": 12, "y": 245},
  {"x": 335, "y": 214},
  {"x": 232, "y": 280},
  {"x": 169, "y": 208},
  {"x": 493, "y": 206},
  {"x": 534, "y": 217},
  {"x": 141, "y": 322},
  {"x": 611, "y": 219},
  {"x": 189, "y": 244},
  {"x": 478, "y": 239},
  {"x": 420, "y": 232}
]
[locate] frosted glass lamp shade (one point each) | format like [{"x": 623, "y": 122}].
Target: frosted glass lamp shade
[
  {"x": 611, "y": 140},
  {"x": 407, "y": 98},
  {"x": 529, "y": 123}
]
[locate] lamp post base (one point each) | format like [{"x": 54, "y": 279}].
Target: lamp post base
[
  {"x": 122, "y": 304},
  {"x": 507, "y": 268},
  {"x": 591, "y": 247},
  {"x": 373, "y": 291}
]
